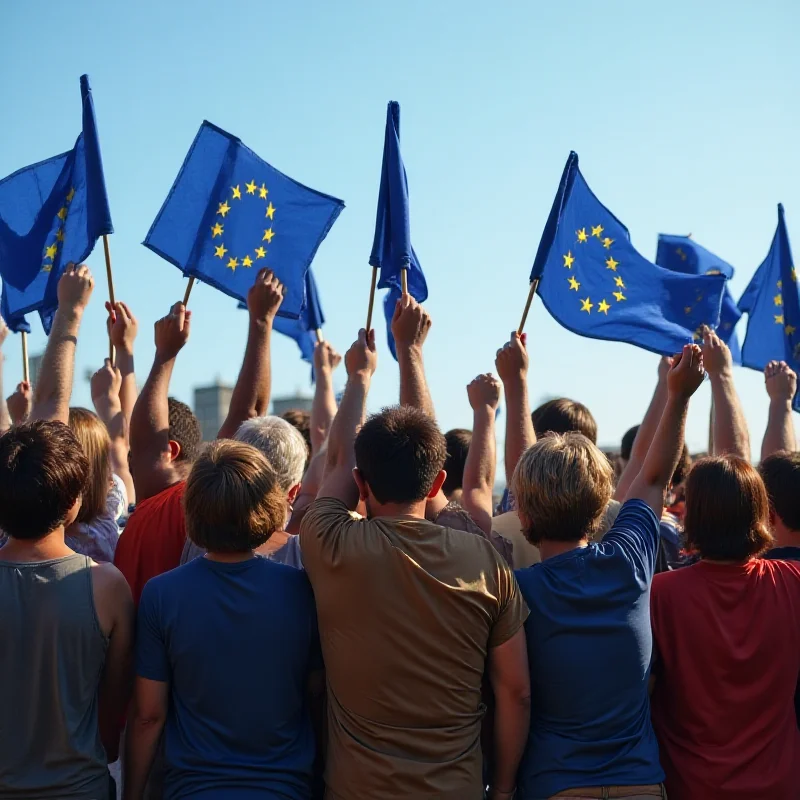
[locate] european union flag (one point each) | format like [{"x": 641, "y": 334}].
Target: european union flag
[
  {"x": 683, "y": 254},
  {"x": 52, "y": 213},
  {"x": 391, "y": 248},
  {"x": 230, "y": 213},
  {"x": 772, "y": 305},
  {"x": 595, "y": 284},
  {"x": 15, "y": 324}
]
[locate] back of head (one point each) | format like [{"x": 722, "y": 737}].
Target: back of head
[
  {"x": 185, "y": 430},
  {"x": 727, "y": 511},
  {"x": 781, "y": 475},
  {"x": 301, "y": 420},
  {"x": 281, "y": 443},
  {"x": 95, "y": 443},
  {"x": 233, "y": 502},
  {"x": 458, "y": 441},
  {"x": 564, "y": 416},
  {"x": 627, "y": 443},
  {"x": 399, "y": 454},
  {"x": 562, "y": 485},
  {"x": 43, "y": 472}
]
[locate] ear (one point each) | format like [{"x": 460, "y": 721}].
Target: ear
[
  {"x": 291, "y": 495},
  {"x": 174, "y": 450},
  {"x": 437, "y": 484},
  {"x": 363, "y": 489},
  {"x": 72, "y": 514}
]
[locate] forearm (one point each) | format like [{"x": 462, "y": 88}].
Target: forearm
[
  {"x": 253, "y": 388},
  {"x": 667, "y": 445},
  {"x": 511, "y": 727},
  {"x": 479, "y": 469},
  {"x": 779, "y": 434},
  {"x": 150, "y": 417},
  {"x": 519, "y": 428},
  {"x": 323, "y": 409},
  {"x": 141, "y": 743},
  {"x": 348, "y": 420},
  {"x": 413, "y": 385},
  {"x": 5, "y": 417},
  {"x": 128, "y": 391},
  {"x": 54, "y": 386},
  {"x": 730, "y": 427}
]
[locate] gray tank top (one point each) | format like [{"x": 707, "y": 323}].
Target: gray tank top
[{"x": 52, "y": 652}]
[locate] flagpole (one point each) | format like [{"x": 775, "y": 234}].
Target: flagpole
[
  {"x": 372, "y": 298},
  {"x": 110, "y": 291},
  {"x": 25, "y": 369},
  {"x": 188, "y": 291},
  {"x": 320, "y": 337},
  {"x": 531, "y": 293},
  {"x": 404, "y": 280}
]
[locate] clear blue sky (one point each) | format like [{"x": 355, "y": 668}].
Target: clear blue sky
[{"x": 685, "y": 116}]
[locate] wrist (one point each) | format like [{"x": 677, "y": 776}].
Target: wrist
[
  {"x": 262, "y": 324},
  {"x": 721, "y": 376},
  {"x": 412, "y": 352},
  {"x": 780, "y": 403}
]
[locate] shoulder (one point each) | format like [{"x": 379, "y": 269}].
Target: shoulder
[
  {"x": 324, "y": 514},
  {"x": 635, "y": 523},
  {"x": 109, "y": 584}
]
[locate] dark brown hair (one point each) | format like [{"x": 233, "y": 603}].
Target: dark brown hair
[
  {"x": 727, "y": 511},
  {"x": 233, "y": 501},
  {"x": 184, "y": 429},
  {"x": 302, "y": 421},
  {"x": 43, "y": 471},
  {"x": 781, "y": 475},
  {"x": 399, "y": 453},
  {"x": 564, "y": 416},
  {"x": 458, "y": 441}
]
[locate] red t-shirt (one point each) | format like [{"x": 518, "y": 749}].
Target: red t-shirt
[
  {"x": 153, "y": 539},
  {"x": 728, "y": 640}
]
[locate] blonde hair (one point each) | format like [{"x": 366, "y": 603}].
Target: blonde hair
[
  {"x": 561, "y": 486},
  {"x": 233, "y": 500},
  {"x": 95, "y": 442}
]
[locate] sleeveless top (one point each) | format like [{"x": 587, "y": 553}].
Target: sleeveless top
[{"x": 52, "y": 652}]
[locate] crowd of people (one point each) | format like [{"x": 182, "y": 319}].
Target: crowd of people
[{"x": 333, "y": 605}]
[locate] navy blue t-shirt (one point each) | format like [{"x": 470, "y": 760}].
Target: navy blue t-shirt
[
  {"x": 589, "y": 650},
  {"x": 236, "y": 643}
]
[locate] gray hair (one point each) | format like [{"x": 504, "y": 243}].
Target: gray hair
[{"x": 282, "y": 444}]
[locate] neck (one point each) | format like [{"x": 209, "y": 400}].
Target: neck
[
  {"x": 401, "y": 510},
  {"x": 549, "y": 547},
  {"x": 43, "y": 549},
  {"x": 785, "y": 537},
  {"x": 230, "y": 558}
]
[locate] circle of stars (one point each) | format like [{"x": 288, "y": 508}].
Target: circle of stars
[{"x": 604, "y": 306}]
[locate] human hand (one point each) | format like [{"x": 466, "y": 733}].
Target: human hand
[
  {"x": 75, "y": 288},
  {"x": 105, "y": 385},
  {"x": 687, "y": 372},
  {"x": 122, "y": 326},
  {"x": 172, "y": 332},
  {"x": 664, "y": 366},
  {"x": 20, "y": 403},
  {"x": 265, "y": 297},
  {"x": 326, "y": 359},
  {"x": 362, "y": 357},
  {"x": 410, "y": 324},
  {"x": 512, "y": 358},
  {"x": 484, "y": 392},
  {"x": 716, "y": 354},
  {"x": 781, "y": 381}
]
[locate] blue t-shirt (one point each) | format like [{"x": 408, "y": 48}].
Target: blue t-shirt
[
  {"x": 236, "y": 643},
  {"x": 589, "y": 650}
]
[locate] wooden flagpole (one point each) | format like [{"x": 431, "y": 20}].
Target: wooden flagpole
[
  {"x": 110, "y": 291},
  {"x": 26, "y": 375},
  {"x": 320, "y": 337},
  {"x": 531, "y": 293},
  {"x": 404, "y": 280},
  {"x": 188, "y": 291},
  {"x": 372, "y": 298}
]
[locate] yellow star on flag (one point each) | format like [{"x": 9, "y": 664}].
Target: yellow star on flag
[
  {"x": 62, "y": 213},
  {"x": 224, "y": 208},
  {"x": 581, "y": 234},
  {"x": 573, "y": 284},
  {"x": 251, "y": 188},
  {"x": 790, "y": 329},
  {"x": 237, "y": 193},
  {"x": 247, "y": 261},
  {"x": 687, "y": 309},
  {"x": 268, "y": 234},
  {"x": 568, "y": 259},
  {"x": 778, "y": 299},
  {"x": 778, "y": 319},
  {"x": 597, "y": 230},
  {"x": 611, "y": 264},
  {"x": 260, "y": 252},
  {"x": 587, "y": 306},
  {"x": 607, "y": 242},
  {"x": 262, "y": 192},
  {"x": 60, "y": 234},
  {"x": 50, "y": 252},
  {"x": 620, "y": 297},
  {"x": 270, "y": 211},
  {"x": 233, "y": 263},
  {"x": 220, "y": 251},
  {"x": 603, "y": 306},
  {"x": 794, "y": 274},
  {"x": 216, "y": 230},
  {"x": 780, "y": 284},
  {"x": 70, "y": 195},
  {"x": 47, "y": 267},
  {"x": 618, "y": 280}
]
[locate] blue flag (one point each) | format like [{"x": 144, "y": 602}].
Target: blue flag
[
  {"x": 683, "y": 254},
  {"x": 391, "y": 248},
  {"x": 772, "y": 306},
  {"x": 52, "y": 213},
  {"x": 230, "y": 213},
  {"x": 15, "y": 324},
  {"x": 595, "y": 284}
]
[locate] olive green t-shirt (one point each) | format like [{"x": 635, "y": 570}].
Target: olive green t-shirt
[{"x": 407, "y": 613}]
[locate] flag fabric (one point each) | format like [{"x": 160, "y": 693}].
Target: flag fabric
[
  {"x": 15, "y": 324},
  {"x": 772, "y": 305},
  {"x": 392, "y": 251},
  {"x": 593, "y": 281},
  {"x": 230, "y": 213},
  {"x": 52, "y": 213},
  {"x": 683, "y": 254}
]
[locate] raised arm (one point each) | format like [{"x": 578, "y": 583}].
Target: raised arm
[
  {"x": 646, "y": 432},
  {"x": 683, "y": 379},
  {"x": 323, "y": 408},
  {"x": 53, "y": 389},
  {"x": 410, "y": 326},
  {"x": 730, "y": 427},
  {"x": 512, "y": 367},
  {"x": 106, "y": 386},
  {"x": 152, "y": 453},
  {"x": 5, "y": 418},
  {"x": 781, "y": 382},
  {"x": 123, "y": 329},
  {"x": 479, "y": 470},
  {"x": 252, "y": 392},
  {"x": 361, "y": 362},
  {"x": 20, "y": 403}
]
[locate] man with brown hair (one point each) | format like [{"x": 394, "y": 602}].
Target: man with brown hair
[
  {"x": 411, "y": 613},
  {"x": 226, "y": 646}
]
